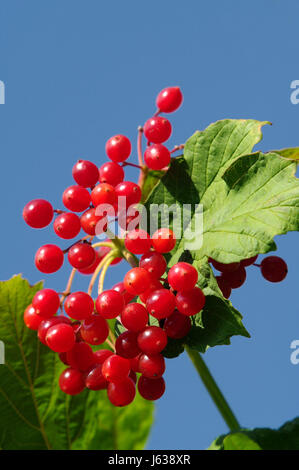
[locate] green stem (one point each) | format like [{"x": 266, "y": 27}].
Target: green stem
[{"x": 213, "y": 389}]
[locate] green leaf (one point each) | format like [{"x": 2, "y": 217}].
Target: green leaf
[
  {"x": 35, "y": 414},
  {"x": 290, "y": 153},
  {"x": 151, "y": 179},
  {"x": 284, "y": 438}
]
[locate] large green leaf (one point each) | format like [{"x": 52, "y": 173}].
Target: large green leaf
[
  {"x": 284, "y": 438},
  {"x": 35, "y": 414}
]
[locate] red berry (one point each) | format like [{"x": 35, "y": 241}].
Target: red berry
[
  {"x": 163, "y": 240},
  {"x": 101, "y": 355},
  {"x": 116, "y": 368},
  {"x": 91, "y": 269},
  {"x": 119, "y": 287},
  {"x": 71, "y": 381},
  {"x": 152, "y": 340},
  {"x": 46, "y": 302},
  {"x": 135, "y": 363},
  {"x": 182, "y": 276},
  {"x": 38, "y": 213},
  {"x": 121, "y": 394},
  {"x": 177, "y": 326},
  {"x": 94, "y": 329},
  {"x": 190, "y": 302},
  {"x": 49, "y": 259},
  {"x": 157, "y": 156},
  {"x": 236, "y": 278},
  {"x": 152, "y": 366},
  {"x": 111, "y": 173},
  {"x": 224, "y": 268},
  {"x": 110, "y": 303},
  {"x": 118, "y": 148},
  {"x": 151, "y": 389},
  {"x": 224, "y": 286},
  {"x": 95, "y": 379},
  {"x": 46, "y": 324},
  {"x": 169, "y": 99},
  {"x": 60, "y": 337},
  {"x": 137, "y": 281},
  {"x": 89, "y": 222},
  {"x": 31, "y": 319},
  {"x": 79, "y": 305},
  {"x": 157, "y": 129},
  {"x": 153, "y": 285},
  {"x": 274, "y": 268},
  {"x": 103, "y": 193},
  {"x": 154, "y": 263},
  {"x": 138, "y": 241},
  {"x": 67, "y": 225},
  {"x": 134, "y": 317},
  {"x": 81, "y": 255},
  {"x": 80, "y": 357},
  {"x": 126, "y": 345},
  {"x": 76, "y": 198},
  {"x": 85, "y": 173},
  {"x": 160, "y": 303},
  {"x": 133, "y": 376},
  {"x": 130, "y": 191},
  {"x": 249, "y": 261},
  {"x": 104, "y": 250}
]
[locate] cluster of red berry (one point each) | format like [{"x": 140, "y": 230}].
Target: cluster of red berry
[{"x": 233, "y": 275}]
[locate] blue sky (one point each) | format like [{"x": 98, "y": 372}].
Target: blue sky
[{"x": 78, "y": 72}]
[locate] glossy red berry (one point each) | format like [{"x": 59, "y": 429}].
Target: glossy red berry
[
  {"x": 135, "y": 363},
  {"x": 154, "y": 263},
  {"x": 152, "y": 340},
  {"x": 46, "y": 324},
  {"x": 110, "y": 303},
  {"x": 157, "y": 129},
  {"x": 153, "y": 285},
  {"x": 38, "y": 213},
  {"x": 182, "y": 276},
  {"x": 274, "y": 268},
  {"x": 101, "y": 355},
  {"x": 76, "y": 198},
  {"x": 157, "y": 156},
  {"x": 49, "y": 259},
  {"x": 81, "y": 255},
  {"x": 103, "y": 193},
  {"x": 31, "y": 319},
  {"x": 177, "y": 326},
  {"x": 190, "y": 302},
  {"x": 79, "y": 305},
  {"x": 111, "y": 173},
  {"x": 138, "y": 241},
  {"x": 60, "y": 337},
  {"x": 116, "y": 368},
  {"x": 71, "y": 381},
  {"x": 80, "y": 357},
  {"x": 151, "y": 389},
  {"x": 85, "y": 173},
  {"x": 249, "y": 261},
  {"x": 91, "y": 268},
  {"x": 89, "y": 222},
  {"x": 169, "y": 99},
  {"x": 152, "y": 366},
  {"x": 137, "y": 280},
  {"x": 224, "y": 286},
  {"x": 118, "y": 148},
  {"x": 130, "y": 191},
  {"x": 94, "y": 329},
  {"x": 121, "y": 394},
  {"x": 224, "y": 268},
  {"x": 119, "y": 287},
  {"x": 160, "y": 303},
  {"x": 236, "y": 278},
  {"x": 67, "y": 225},
  {"x": 163, "y": 240},
  {"x": 134, "y": 317},
  {"x": 126, "y": 345},
  {"x": 46, "y": 302},
  {"x": 95, "y": 379}
]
